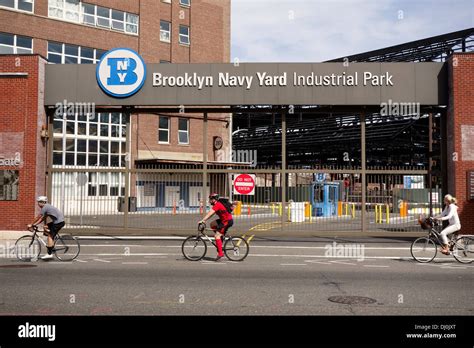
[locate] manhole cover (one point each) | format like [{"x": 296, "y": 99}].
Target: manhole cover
[
  {"x": 18, "y": 266},
  {"x": 350, "y": 300}
]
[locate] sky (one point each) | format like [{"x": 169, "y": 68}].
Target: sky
[{"x": 319, "y": 30}]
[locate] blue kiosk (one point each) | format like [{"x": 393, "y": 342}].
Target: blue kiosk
[{"x": 324, "y": 196}]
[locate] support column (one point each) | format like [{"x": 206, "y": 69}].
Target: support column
[
  {"x": 283, "y": 168},
  {"x": 363, "y": 173},
  {"x": 127, "y": 174},
  {"x": 204, "y": 162}
]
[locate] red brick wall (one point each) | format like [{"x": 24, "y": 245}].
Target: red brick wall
[
  {"x": 460, "y": 112},
  {"x": 22, "y": 111}
]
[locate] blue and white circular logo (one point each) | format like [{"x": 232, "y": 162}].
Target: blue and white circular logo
[{"x": 121, "y": 72}]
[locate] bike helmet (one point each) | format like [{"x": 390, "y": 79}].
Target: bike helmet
[
  {"x": 214, "y": 196},
  {"x": 42, "y": 199}
]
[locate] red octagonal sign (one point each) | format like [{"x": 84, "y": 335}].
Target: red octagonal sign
[{"x": 244, "y": 184}]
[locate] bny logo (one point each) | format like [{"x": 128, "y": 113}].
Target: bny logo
[{"x": 121, "y": 72}]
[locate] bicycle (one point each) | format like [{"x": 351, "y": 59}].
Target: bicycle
[
  {"x": 194, "y": 248},
  {"x": 28, "y": 247},
  {"x": 424, "y": 249}
]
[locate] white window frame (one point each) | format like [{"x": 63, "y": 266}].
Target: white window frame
[
  {"x": 185, "y": 5},
  {"x": 79, "y": 57},
  {"x": 15, "y": 44},
  {"x": 188, "y": 36},
  {"x": 183, "y": 131},
  {"x": 166, "y": 1},
  {"x": 63, "y": 9},
  {"x": 80, "y": 17},
  {"x": 15, "y": 7},
  {"x": 164, "y": 129},
  {"x": 163, "y": 32}
]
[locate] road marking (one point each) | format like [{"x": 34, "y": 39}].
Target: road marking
[
  {"x": 156, "y": 257},
  {"x": 376, "y": 266},
  {"x": 343, "y": 263},
  {"x": 320, "y": 262},
  {"x": 293, "y": 264},
  {"x": 99, "y": 260},
  {"x": 454, "y": 267},
  {"x": 80, "y": 261},
  {"x": 213, "y": 263},
  {"x": 134, "y": 263}
]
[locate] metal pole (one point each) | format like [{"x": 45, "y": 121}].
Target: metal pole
[
  {"x": 127, "y": 175},
  {"x": 430, "y": 160},
  {"x": 204, "y": 163},
  {"x": 363, "y": 173},
  {"x": 49, "y": 159},
  {"x": 283, "y": 167}
]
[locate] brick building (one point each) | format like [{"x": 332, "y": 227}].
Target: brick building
[{"x": 80, "y": 32}]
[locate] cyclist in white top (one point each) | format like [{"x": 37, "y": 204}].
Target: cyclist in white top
[{"x": 450, "y": 213}]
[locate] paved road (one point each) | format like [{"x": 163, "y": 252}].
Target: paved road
[{"x": 152, "y": 278}]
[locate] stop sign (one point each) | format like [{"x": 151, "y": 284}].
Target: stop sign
[{"x": 244, "y": 184}]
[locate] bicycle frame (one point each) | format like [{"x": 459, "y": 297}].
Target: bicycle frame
[
  {"x": 437, "y": 235},
  {"x": 205, "y": 236}
]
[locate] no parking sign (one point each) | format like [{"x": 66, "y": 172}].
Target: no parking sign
[{"x": 244, "y": 184}]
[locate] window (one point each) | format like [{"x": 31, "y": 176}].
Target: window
[
  {"x": 164, "y": 130},
  {"x": 10, "y": 43},
  {"x": 89, "y": 14},
  {"x": 184, "y": 35},
  {"x": 87, "y": 142},
  {"x": 22, "y": 5},
  {"x": 60, "y": 53},
  {"x": 165, "y": 31},
  {"x": 131, "y": 23},
  {"x": 186, "y": 3},
  {"x": 64, "y": 9},
  {"x": 183, "y": 131}
]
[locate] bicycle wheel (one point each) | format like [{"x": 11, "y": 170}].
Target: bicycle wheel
[
  {"x": 27, "y": 248},
  {"x": 463, "y": 249},
  {"x": 66, "y": 247},
  {"x": 423, "y": 249},
  {"x": 194, "y": 248},
  {"x": 236, "y": 248}
]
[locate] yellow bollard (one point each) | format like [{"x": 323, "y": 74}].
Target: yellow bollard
[
  {"x": 387, "y": 209},
  {"x": 347, "y": 208},
  {"x": 273, "y": 208},
  {"x": 307, "y": 210},
  {"x": 238, "y": 209},
  {"x": 353, "y": 210},
  {"x": 339, "y": 208},
  {"x": 280, "y": 209}
]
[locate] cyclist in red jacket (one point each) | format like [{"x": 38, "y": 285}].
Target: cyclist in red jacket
[{"x": 222, "y": 224}]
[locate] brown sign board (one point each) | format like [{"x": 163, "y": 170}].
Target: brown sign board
[{"x": 259, "y": 84}]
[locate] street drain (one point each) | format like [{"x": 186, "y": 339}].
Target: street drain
[
  {"x": 351, "y": 300},
  {"x": 17, "y": 266}
]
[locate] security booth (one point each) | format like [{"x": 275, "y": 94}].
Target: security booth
[{"x": 324, "y": 198}]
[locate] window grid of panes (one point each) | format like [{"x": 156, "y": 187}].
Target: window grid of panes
[
  {"x": 94, "y": 15},
  {"x": 15, "y": 44},
  {"x": 61, "y": 53},
  {"x": 20, "y": 5},
  {"x": 186, "y": 3},
  {"x": 184, "y": 35},
  {"x": 183, "y": 131},
  {"x": 164, "y": 130},
  {"x": 165, "y": 31},
  {"x": 97, "y": 140}
]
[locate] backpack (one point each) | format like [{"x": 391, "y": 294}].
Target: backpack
[{"x": 227, "y": 204}]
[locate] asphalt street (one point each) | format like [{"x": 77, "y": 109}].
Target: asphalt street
[{"x": 151, "y": 277}]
